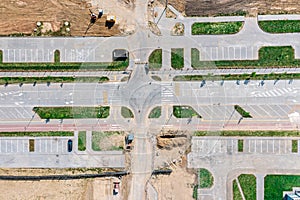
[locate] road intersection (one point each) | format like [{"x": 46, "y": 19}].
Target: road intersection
[{"x": 270, "y": 104}]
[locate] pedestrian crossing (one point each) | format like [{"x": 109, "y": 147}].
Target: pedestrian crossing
[
  {"x": 167, "y": 94},
  {"x": 273, "y": 93}
]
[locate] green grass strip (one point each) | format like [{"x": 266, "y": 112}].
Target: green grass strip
[
  {"x": 82, "y": 141},
  {"x": 248, "y": 185},
  {"x": 245, "y": 77},
  {"x": 268, "y": 57},
  {"x": 126, "y": 112},
  {"x": 36, "y": 134},
  {"x": 249, "y": 133},
  {"x": 49, "y": 79},
  {"x": 242, "y": 112},
  {"x": 195, "y": 192},
  {"x": 240, "y": 145},
  {"x": 72, "y": 112},
  {"x": 280, "y": 26},
  {"x": 155, "y": 112},
  {"x": 98, "y": 136},
  {"x": 236, "y": 192},
  {"x": 206, "y": 178},
  {"x": 177, "y": 58},
  {"x": 155, "y": 59},
  {"x": 295, "y": 146},
  {"x": 184, "y": 112},
  {"x": 58, "y": 66},
  {"x": 216, "y": 28},
  {"x": 276, "y": 184}
]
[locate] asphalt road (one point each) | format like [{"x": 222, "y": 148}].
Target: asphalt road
[{"x": 274, "y": 101}]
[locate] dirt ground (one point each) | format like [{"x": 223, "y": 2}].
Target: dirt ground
[
  {"x": 171, "y": 149},
  {"x": 21, "y": 16},
  {"x": 252, "y": 7},
  {"x": 89, "y": 189},
  {"x": 169, "y": 186}
]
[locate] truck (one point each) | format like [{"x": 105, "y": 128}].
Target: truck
[{"x": 129, "y": 141}]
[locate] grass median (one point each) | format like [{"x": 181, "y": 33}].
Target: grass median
[
  {"x": 155, "y": 59},
  {"x": 49, "y": 79},
  {"x": 216, "y": 28},
  {"x": 280, "y": 26},
  {"x": 72, "y": 112},
  {"x": 275, "y": 56},
  {"x": 184, "y": 112},
  {"x": 82, "y": 141},
  {"x": 36, "y": 134},
  {"x": 57, "y": 66},
  {"x": 177, "y": 58},
  {"x": 249, "y": 133},
  {"x": 206, "y": 178},
  {"x": 245, "y": 77}
]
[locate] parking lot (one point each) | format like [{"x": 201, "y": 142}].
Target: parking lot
[
  {"x": 228, "y": 53},
  {"x": 14, "y": 145},
  {"x": 251, "y": 145},
  {"x": 28, "y": 55},
  {"x": 214, "y": 145},
  {"x": 47, "y": 55},
  {"x": 42, "y": 145},
  {"x": 51, "y": 145},
  {"x": 77, "y": 55},
  {"x": 268, "y": 145}
]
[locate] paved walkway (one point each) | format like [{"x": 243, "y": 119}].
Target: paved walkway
[{"x": 260, "y": 186}]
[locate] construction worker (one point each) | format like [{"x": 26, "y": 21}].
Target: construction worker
[{"x": 93, "y": 17}]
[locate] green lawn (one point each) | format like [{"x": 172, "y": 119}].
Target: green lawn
[
  {"x": 248, "y": 133},
  {"x": 242, "y": 112},
  {"x": 36, "y": 134},
  {"x": 126, "y": 112},
  {"x": 195, "y": 192},
  {"x": 240, "y": 145},
  {"x": 58, "y": 66},
  {"x": 280, "y": 26},
  {"x": 216, "y": 28},
  {"x": 155, "y": 112},
  {"x": 294, "y": 146},
  {"x": 248, "y": 184},
  {"x": 48, "y": 79},
  {"x": 56, "y": 56},
  {"x": 82, "y": 141},
  {"x": 268, "y": 57},
  {"x": 184, "y": 112},
  {"x": 97, "y": 136},
  {"x": 177, "y": 58},
  {"x": 72, "y": 112},
  {"x": 236, "y": 192},
  {"x": 206, "y": 178},
  {"x": 276, "y": 184},
  {"x": 155, "y": 59},
  {"x": 245, "y": 78}
]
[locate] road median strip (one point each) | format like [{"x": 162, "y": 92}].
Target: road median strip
[{"x": 74, "y": 112}]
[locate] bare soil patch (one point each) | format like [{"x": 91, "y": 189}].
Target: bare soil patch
[
  {"x": 251, "y": 7},
  {"x": 21, "y": 16},
  {"x": 169, "y": 187},
  {"x": 99, "y": 188}
]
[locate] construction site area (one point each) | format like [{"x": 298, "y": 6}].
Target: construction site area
[
  {"x": 65, "y": 18},
  {"x": 235, "y": 7}
]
